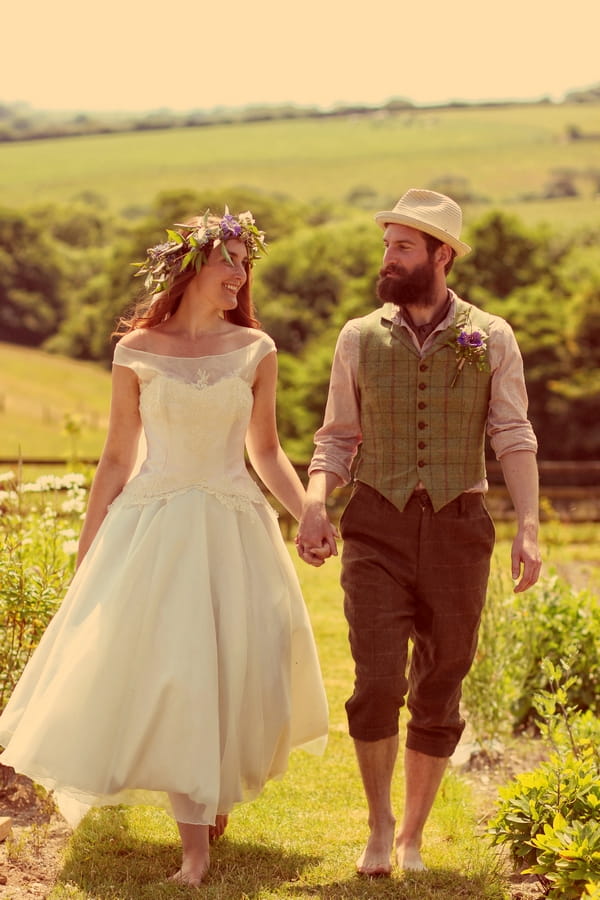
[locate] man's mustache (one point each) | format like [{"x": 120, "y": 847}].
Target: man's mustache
[{"x": 391, "y": 269}]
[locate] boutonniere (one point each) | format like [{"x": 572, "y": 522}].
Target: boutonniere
[{"x": 470, "y": 347}]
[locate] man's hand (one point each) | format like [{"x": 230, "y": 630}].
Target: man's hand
[
  {"x": 316, "y": 537},
  {"x": 526, "y": 561},
  {"x": 521, "y": 476}
]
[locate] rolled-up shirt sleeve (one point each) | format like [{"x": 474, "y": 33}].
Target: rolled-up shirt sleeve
[
  {"x": 338, "y": 439},
  {"x": 508, "y": 427}
]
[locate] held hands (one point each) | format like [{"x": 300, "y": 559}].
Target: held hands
[
  {"x": 314, "y": 556},
  {"x": 316, "y": 538}
]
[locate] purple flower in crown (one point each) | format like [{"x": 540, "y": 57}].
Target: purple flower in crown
[
  {"x": 188, "y": 245},
  {"x": 161, "y": 250},
  {"x": 230, "y": 227}
]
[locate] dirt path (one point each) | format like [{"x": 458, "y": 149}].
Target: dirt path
[{"x": 31, "y": 857}]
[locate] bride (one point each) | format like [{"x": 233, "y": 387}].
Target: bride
[{"x": 181, "y": 668}]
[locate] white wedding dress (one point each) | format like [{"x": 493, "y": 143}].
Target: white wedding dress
[{"x": 181, "y": 667}]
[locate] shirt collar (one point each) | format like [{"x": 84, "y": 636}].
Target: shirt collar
[{"x": 391, "y": 314}]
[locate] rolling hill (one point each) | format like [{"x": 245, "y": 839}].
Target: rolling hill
[
  {"x": 40, "y": 393},
  {"x": 507, "y": 156}
]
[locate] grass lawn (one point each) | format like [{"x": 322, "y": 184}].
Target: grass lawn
[
  {"x": 38, "y": 391},
  {"x": 301, "y": 838}
]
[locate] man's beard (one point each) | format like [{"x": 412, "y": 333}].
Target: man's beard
[{"x": 416, "y": 288}]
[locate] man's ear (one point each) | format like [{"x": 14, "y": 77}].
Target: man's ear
[{"x": 444, "y": 254}]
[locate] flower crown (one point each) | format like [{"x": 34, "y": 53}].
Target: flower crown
[{"x": 188, "y": 247}]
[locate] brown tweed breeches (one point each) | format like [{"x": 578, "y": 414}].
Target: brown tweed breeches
[{"x": 421, "y": 576}]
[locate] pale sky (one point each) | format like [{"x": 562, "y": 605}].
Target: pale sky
[{"x": 190, "y": 54}]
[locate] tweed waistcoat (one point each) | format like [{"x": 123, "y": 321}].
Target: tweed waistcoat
[{"x": 415, "y": 426}]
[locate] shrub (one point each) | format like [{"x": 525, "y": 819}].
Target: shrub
[
  {"x": 38, "y": 538},
  {"x": 551, "y": 621},
  {"x": 559, "y": 623},
  {"x": 549, "y": 818},
  {"x": 568, "y": 856},
  {"x": 494, "y": 684}
]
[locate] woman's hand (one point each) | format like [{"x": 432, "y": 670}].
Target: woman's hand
[{"x": 316, "y": 538}]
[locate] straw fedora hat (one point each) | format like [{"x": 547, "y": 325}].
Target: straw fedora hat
[{"x": 430, "y": 212}]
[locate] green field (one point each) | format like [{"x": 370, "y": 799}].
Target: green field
[
  {"x": 300, "y": 839},
  {"x": 37, "y": 391},
  {"x": 504, "y": 153}
]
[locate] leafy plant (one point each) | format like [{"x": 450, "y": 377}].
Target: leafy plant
[
  {"x": 568, "y": 856},
  {"x": 552, "y": 621},
  {"x": 549, "y": 818},
  {"x": 495, "y": 681},
  {"x": 38, "y": 532},
  {"x": 560, "y": 623},
  {"x": 591, "y": 890}
]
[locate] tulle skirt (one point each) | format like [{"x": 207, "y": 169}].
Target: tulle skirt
[{"x": 180, "y": 670}]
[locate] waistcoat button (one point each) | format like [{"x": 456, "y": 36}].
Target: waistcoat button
[
  {"x": 421, "y": 445},
  {"x": 422, "y": 386},
  {"x": 421, "y": 463},
  {"x": 422, "y": 405},
  {"x": 422, "y": 425}
]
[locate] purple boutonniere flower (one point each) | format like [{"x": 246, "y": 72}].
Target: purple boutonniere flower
[
  {"x": 470, "y": 347},
  {"x": 472, "y": 340}
]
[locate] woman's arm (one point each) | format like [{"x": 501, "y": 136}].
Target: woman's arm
[
  {"x": 262, "y": 441},
  {"x": 118, "y": 456}
]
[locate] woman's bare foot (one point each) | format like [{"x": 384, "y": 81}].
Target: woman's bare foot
[
  {"x": 191, "y": 875},
  {"x": 218, "y": 829},
  {"x": 375, "y": 860},
  {"x": 196, "y": 856}
]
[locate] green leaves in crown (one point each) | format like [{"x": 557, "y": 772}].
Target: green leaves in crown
[{"x": 188, "y": 246}]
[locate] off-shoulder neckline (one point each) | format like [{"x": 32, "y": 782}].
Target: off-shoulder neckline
[{"x": 204, "y": 356}]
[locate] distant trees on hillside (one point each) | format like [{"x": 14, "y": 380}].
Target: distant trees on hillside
[
  {"x": 19, "y": 122},
  {"x": 31, "y": 280},
  {"x": 65, "y": 277},
  {"x": 584, "y": 95}
]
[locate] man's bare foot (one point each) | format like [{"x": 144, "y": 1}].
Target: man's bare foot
[
  {"x": 375, "y": 860},
  {"x": 409, "y": 858},
  {"x": 218, "y": 829}
]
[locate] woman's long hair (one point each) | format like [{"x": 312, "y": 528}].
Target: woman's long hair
[{"x": 152, "y": 309}]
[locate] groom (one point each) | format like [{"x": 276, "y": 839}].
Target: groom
[{"x": 417, "y": 384}]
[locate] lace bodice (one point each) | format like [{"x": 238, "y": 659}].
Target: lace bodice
[{"x": 195, "y": 413}]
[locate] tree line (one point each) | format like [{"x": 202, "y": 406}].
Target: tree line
[
  {"x": 20, "y": 122},
  {"x": 66, "y": 277}
]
